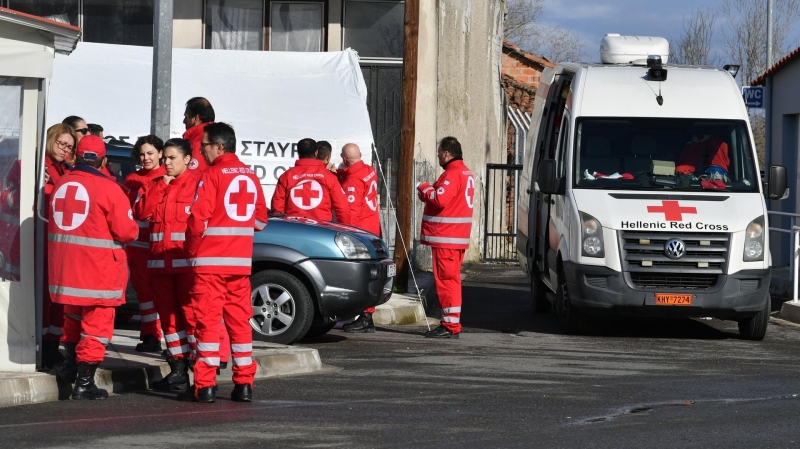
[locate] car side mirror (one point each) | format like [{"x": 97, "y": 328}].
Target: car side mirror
[
  {"x": 546, "y": 177},
  {"x": 778, "y": 184}
]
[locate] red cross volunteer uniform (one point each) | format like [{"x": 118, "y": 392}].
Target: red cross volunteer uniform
[
  {"x": 308, "y": 190},
  {"x": 219, "y": 245},
  {"x": 52, "y": 314},
  {"x": 167, "y": 208},
  {"x": 195, "y": 135},
  {"x": 88, "y": 271},
  {"x": 138, "y": 251},
  {"x": 446, "y": 227}
]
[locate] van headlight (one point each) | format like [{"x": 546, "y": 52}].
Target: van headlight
[
  {"x": 351, "y": 247},
  {"x": 591, "y": 237},
  {"x": 754, "y": 241}
]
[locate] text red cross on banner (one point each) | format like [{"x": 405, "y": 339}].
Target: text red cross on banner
[
  {"x": 70, "y": 206},
  {"x": 306, "y": 193},
  {"x": 672, "y": 210},
  {"x": 242, "y": 199}
]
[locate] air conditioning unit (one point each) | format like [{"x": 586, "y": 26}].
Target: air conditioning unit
[{"x": 616, "y": 49}]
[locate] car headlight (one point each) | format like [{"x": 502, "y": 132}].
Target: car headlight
[
  {"x": 754, "y": 241},
  {"x": 351, "y": 247},
  {"x": 591, "y": 237}
]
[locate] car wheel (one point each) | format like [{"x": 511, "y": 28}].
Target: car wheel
[
  {"x": 570, "y": 319},
  {"x": 282, "y": 307},
  {"x": 318, "y": 330},
  {"x": 539, "y": 299},
  {"x": 755, "y": 328}
]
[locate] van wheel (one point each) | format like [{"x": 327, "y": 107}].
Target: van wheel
[
  {"x": 755, "y": 328},
  {"x": 539, "y": 299},
  {"x": 570, "y": 319},
  {"x": 282, "y": 307}
]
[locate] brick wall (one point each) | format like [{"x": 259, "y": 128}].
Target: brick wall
[{"x": 515, "y": 67}]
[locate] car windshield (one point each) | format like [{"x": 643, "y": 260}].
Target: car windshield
[{"x": 664, "y": 153}]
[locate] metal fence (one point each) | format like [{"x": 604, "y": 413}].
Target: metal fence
[{"x": 500, "y": 213}]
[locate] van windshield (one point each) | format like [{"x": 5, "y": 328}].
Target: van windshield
[{"x": 664, "y": 153}]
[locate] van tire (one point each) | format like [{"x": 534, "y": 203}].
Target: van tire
[
  {"x": 571, "y": 320},
  {"x": 539, "y": 300},
  {"x": 755, "y": 328}
]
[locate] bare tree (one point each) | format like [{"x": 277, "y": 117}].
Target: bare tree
[
  {"x": 744, "y": 37},
  {"x": 523, "y": 28},
  {"x": 694, "y": 45}
]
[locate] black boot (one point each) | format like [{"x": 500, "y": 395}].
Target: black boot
[
  {"x": 440, "y": 332},
  {"x": 362, "y": 325},
  {"x": 85, "y": 388},
  {"x": 50, "y": 355},
  {"x": 67, "y": 369},
  {"x": 242, "y": 393},
  {"x": 177, "y": 379},
  {"x": 149, "y": 344},
  {"x": 205, "y": 395}
]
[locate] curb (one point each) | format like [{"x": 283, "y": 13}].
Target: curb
[
  {"x": 399, "y": 310},
  {"x": 790, "y": 312},
  {"x": 37, "y": 388}
]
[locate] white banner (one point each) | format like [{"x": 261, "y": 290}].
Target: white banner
[{"x": 272, "y": 99}]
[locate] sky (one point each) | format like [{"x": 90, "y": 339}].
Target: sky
[{"x": 592, "y": 19}]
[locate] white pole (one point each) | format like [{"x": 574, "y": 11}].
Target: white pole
[
  {"x": 769, "y": 36},
  {"x": 795, "y": 256}
]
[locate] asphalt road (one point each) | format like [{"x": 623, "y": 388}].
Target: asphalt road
[{"x": 511, "y": 380}]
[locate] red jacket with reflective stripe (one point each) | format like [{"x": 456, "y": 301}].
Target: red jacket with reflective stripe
[
  {"x": 229, "y": 205},
  {"x": 56, "y": 170},
  {"x": 360, "y": 185},
  {"x": 195, "y": 136},
  {"x": 135, "y": 182},
  {"x": 449, "y": 202},
  {"x": 167, "y": 207},
  {"x": 90, "y": 221},
  {"x": 307, "y": 190}
]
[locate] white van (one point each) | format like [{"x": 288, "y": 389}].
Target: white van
[{"x": 641, "y": 193}]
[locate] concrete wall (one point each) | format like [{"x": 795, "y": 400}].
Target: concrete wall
[
  {"x": 784, "y": 148},
  {"x": 187, "y": 24}
]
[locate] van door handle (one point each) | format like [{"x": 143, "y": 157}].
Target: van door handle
[{"x": 552, "y": 201}]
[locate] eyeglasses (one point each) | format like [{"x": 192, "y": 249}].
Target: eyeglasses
[
  {"x": 203, "y": 144},
  {"x": 83, "y": 131},
  {"x": 63, "y": 145}
]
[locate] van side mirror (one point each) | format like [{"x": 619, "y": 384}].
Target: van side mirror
[
  {"x": 778, "y": 184},
  {"x": 546, "y": 177}
]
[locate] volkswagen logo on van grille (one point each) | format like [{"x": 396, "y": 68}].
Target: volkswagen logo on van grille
[{"x": 675, "y": 249}]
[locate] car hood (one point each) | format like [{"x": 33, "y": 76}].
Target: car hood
[{"x": 315, "y": 239}]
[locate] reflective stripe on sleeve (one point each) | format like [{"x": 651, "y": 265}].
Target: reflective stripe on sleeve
[
  {"x": 85, "y": 292},
  {"x": 155, "y": 264},
  {"x": 207, "y": 346},
  {"x": 242, "y": 347},
  {"x": 177, "y": 236},
  {"x": 434, "y": 219},
  {"x": 175, "y": 337},
  {"x": 432, "y": 239},
  {"x": 156, "y": 236},
  {"x": 242, "y": 361},
  {"x": 451, "y": 310},
  {"x": 102, "y": 340},
  {"x": 212, "y": 361},
  {"x": 149, "y": 318},
  {"x": 179, "y": 263},
  {"x": 85, "y": 241},
  {"x": 176, "y": 350},
  {"x": 146, "y": 305},
  {"x": 260, "y": 224},
  {"x": 228, "y": 231},
  {"x": 450, "y": 319},
  {"x": 220, "y": 261}
]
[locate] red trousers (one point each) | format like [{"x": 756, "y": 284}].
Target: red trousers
[
  {"x": 170, "y": 293},
  {"x": 52, "y": 313},
  {"x": 91, "y": 327},
  {"x": 214, "y": 298},
  {"x": 140, "y": 280},
  {"x": 447, "y": 276}
]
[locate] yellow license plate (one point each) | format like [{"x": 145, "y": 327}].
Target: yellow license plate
[{"x": 668, "y": 299}]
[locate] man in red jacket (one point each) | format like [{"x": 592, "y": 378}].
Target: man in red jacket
[
  {"x": 198, "y": 114},
  {"x": 88, "y": 270},
  {"x": 446, "y": 227},
  {"x": 360, "y": 184},
  {"x": 229, "y": 205},
  {"x": 308, "y": 189}
]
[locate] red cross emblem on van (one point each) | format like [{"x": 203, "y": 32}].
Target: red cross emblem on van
[{"x": 672, "y": 210}]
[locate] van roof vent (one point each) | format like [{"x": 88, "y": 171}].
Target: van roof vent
[{"x": 616, "y": 49}]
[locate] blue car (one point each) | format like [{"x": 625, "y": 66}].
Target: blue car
[{"x": 307, "y": 275}]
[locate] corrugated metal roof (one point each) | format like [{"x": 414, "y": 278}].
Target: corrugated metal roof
[
  {"x": 66, "y": 36},
  {"x": 761, "y": 80}
]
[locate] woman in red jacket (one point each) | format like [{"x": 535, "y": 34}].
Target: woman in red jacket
[
  {"x": 166, "y": 202},
  {"x": 59, "y": 147},
  {"x": 147, "y": 152}
]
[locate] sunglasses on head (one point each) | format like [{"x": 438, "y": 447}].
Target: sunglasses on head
[{"x": 83, "y": 131}]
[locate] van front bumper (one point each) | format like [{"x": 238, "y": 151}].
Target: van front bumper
[{"x": 612, "y": 292}]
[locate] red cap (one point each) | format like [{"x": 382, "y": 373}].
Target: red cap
[{"x": 91, "y": 148}]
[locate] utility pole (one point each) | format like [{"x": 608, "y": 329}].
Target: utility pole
[
  {"x": 405, "y": 177},
  {"x": 162, "y": 69},
  {"x": 769, "y": 36}
]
